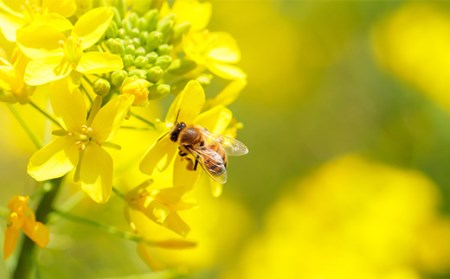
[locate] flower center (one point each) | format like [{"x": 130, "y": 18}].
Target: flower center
[
  {"x": 72, "y": 50},
  {"x": 83, "y": 138}
]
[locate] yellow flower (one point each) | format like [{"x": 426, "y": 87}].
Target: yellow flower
[
  {"x": 164, "y": 152},
  {"x": 352, "y": 218},
  {"x": 138, "y": 88},
  {"x": 81, "y": 143},
  {"x": 16, "y": 14},
  {"x": 161, "y": 206},
  {"x": 196, "y": 14},
  {"x": 55, "y": 55},
  {"x": 12, "y": 85},
  {"x": 22, "y": 217},
  {"x": 216, "y": 51}
]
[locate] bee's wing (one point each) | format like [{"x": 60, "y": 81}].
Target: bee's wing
[
  {"x": 232, "y": 146},
  {"x": 211, "y": 162}
]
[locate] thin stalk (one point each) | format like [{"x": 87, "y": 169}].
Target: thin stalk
[
  {"x": 168, "y": 244},
  {"x": 45, "y": 113},
  {"x": 25, "y": 127},
  {"x": 118, "y": 193},
  {"x": 25, "y": 263},
  {"x": 106, "y": 228},
  {"x": 137, "y": 116}
]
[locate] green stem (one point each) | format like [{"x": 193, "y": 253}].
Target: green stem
[
  {"x": 25, "y": 263},
  {"x": 137, "y": 116},
  {"x": 109, "y": 229},
  {"x": 45, "y": 113},
  {"x": 25, "y": 127}
]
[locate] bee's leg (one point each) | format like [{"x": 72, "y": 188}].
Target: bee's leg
[
  {"x": 190, "y": 164},
  {"x": 196, "y": 163},
  {"x": 181, "y": 152}
]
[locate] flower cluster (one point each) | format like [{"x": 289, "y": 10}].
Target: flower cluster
[{"x": 105, "y": 65}]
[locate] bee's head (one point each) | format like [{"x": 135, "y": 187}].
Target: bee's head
[{"x": 176, "y": 131}]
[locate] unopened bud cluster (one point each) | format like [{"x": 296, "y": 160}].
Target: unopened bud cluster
[{"x": 147, "y": 45}]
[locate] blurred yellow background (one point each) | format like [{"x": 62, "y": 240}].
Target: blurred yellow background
[{"x": 347, "y": 118}]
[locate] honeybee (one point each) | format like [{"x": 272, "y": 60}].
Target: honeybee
[{"x": 208, "y": 150}]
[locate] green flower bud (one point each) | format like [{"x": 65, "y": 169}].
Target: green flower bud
[
  {"x": 135, "y": 32},
  {"x": 121, "y": 7},
  {"x": 133, "y": 18},
  {"x": 117, "y": 77},
  {"x": 152, "y": 19},
  {"x": 112, "y": 30},
  {"x": 165, "y": 26},
  {"x": 116, "y": 46},
  {"x": 136, "y": 42},
  {"x": 142, "y": 74},
  {"x": 154, "y": 74},
  {"x": 130, "y": 49},
  {"x": 128, "y": 60},
  {"x": 164, "y": 49},
  {"x": 152, "y": 56},
  {"x": 143, "y": 37},
  {"x": 122, "y": 33},
  {"x": 140, "y": 51},
  {"x": 141, "y": 6},
  {"x": 101, "y": 87},
  {"x": 158, "y": 91},
  {"x": 154, "y": 39},
  {"x": 180, "y": 29},
  {"x": 142, "y": 24},
  {"x": 141, "y": 61},
  {"x": 163, "y": 61}
]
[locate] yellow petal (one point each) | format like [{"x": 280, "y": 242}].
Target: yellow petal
[
  {"x": 99, "y": 62},
  {"x": 158, "y": 156},
  {"x": 229, "y": 94},
  {"x": 226, "y": 71},
  {"x": 7, "y": 74},
  {"x": 196, "y": 13},
  {"x": 9, "y": 24},
  {"x": 176, "y": 224},
  {"x": 182, "y": 177},
  {"x": 53, "y": 160},
  {"x": 188, "y": 104},
  {"x": 37, "y": 232},
  {"x": 91, "y": 26},
  {"x": 110, "y": 117},
  {"x": 68, "y": 106},
  {"x": 56, "y": 21},
  {"x": 216, "y": 120},
  {"x": 216, "y": 188},
  {"x": 96, "y": 170},
  {"x": 46, "y": 69},
  {"x": 224, "y": 48},
  {"x": 65, "y": 8},
  {"x": 37, "y": 41},
  {"x": 10, "y": 241}
]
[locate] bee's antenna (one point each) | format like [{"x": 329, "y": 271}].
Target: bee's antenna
[{"x": 176, "y": 119}]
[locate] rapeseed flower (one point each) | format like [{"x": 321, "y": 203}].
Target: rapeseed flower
[
  {"x": 81, "y": 143},
  {"x": 12, "y": 86},
  {"x": 90, "y": 65},
  {"x": 161, "y": 206},
  {"x": 55, "y": 56},
  {"x": 17, "y": 14},
  {"x": 185, "y": 108},
  {"x": 21, "y": 217}
]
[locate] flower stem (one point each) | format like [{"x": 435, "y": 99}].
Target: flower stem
[
  {"x": 137, "y": 116},
  {"x": 106, "y": 228},
  {"x": 45, "y": 113},
  {"x": 25, "y": 264},
  {"x": 25, "y": 127}
]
